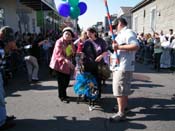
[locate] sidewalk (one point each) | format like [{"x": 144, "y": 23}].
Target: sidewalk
[{"x": 37, "y": 106}]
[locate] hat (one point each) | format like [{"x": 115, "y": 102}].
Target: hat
[
  {"x": 70, "y": 30},
  {"x": 92, "y": 29},
  {"x": 116, "y": 21}
]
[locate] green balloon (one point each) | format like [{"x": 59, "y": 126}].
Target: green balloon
[
  {"x": 73, "y": 2},
  {"x": 74, "y": 12}
]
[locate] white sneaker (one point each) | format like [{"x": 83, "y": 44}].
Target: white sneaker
[
  {"x": 91, "y": 108},
  {"x": 117, "y": 117}
]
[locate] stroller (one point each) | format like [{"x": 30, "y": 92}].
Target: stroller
[{"x": 86, "y": 86}]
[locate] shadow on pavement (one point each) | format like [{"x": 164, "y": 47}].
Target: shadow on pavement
[
  {"x": 136, "y": 86},
  {"x": 142, "y": 68},
  {"x": 67, "y": 123},
  {"x": 153, "y": 108}
]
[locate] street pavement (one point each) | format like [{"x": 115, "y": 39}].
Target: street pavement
[{"x": 37, "y": 107}]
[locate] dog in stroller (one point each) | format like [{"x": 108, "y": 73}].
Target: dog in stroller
[{"x": 86, "y": 86}]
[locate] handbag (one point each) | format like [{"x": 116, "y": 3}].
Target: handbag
[
  {"x": 104, "y": 71},
  {"x": 102, "y": 67}
]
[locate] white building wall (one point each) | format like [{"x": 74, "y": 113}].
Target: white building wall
[
  {"x": 143, "y": 23},
  {"x": 165, "y": 10},
  {"x": 166, "y": 20}
]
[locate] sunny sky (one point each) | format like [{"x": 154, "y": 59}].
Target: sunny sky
[{"x": 96, "y": 10}]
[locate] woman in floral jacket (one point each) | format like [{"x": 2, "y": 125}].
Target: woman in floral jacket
[{"x": 61, "y": 61}]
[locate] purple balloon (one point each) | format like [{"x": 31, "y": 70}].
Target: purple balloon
[
  {"x": 64, "y": 9},
  {"x": 83, "y": 7}
]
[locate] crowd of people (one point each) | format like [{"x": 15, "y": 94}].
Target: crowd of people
[
  {"x": 157, "y": 49},
  {"x": 18, "y": 51},
  {"x": 68, "y": 55}
]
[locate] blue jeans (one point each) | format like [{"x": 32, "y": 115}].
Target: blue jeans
[{"x": 2, "y": 102}]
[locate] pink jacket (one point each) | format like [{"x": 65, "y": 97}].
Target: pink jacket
[{"x": 59, "y": 56}]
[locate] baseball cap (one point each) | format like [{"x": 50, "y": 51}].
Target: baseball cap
[
  {"x": 116, "y": 21},
  {"x": 70, "y": 30}
]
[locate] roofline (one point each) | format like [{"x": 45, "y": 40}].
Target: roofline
[
  {"x": 51, "y": 7},
  {"x": 38, "y": 4},
  {"x": 141, "y": 4}
]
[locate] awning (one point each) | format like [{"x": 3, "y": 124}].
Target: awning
[{"x": 38, "y": 4}]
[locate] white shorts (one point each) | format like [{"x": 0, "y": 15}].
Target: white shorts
[{"x": 122, "y": 83}]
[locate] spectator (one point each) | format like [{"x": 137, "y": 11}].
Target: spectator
[
  {"x": 79, "y": 44},
  {"x": 157, "y": 51},
  {"x": 32, "y": 60},
  {"x": 7, "y": 39},
  {"x": 108, "y": 40}
]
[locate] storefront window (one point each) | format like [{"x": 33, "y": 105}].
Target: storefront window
[{"x": 2, "y": 23}]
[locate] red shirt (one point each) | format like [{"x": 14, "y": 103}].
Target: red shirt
[{"x": 80, "y": 46}]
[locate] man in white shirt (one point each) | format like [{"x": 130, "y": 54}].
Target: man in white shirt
[{"x": 126, "y": 45}]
